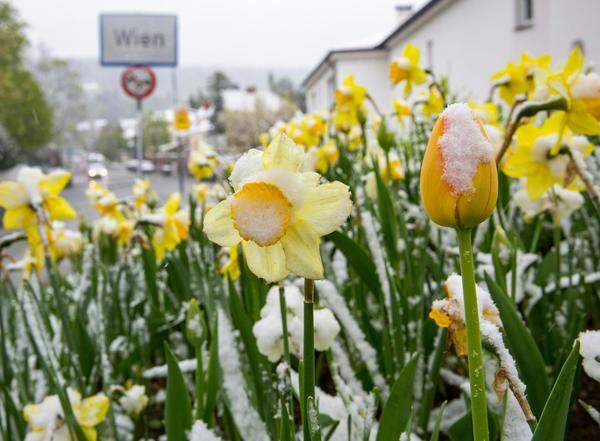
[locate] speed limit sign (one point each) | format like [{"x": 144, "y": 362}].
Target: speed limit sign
[{"x": 138, "y": 81}]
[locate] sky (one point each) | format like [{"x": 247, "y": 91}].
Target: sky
[{"x": 225, "y": 33}]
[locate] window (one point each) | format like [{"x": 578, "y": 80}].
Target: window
[
  {"x": 430, "y": 54},
  {"x": 524, "y": 14},
  {"x": 330, "y": 90}
]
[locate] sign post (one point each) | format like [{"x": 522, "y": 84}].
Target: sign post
[
  {"x": 139, "y": 82},
  {"x": 138, "y": 41},
  {"x": 182, "y": 125}
]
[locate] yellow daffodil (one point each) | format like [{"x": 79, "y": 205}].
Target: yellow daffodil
[
  {"x": 582, "y": 92},
  {"x": 231, "y": 267},
  {"x": 133, "y": 399},
  {"x": 406, "y": 68},
  {"x": 277, "y": 213},
  {"x": 433, "y": 103},
  {"x": 459, "y": 181},
  {"x": 520, "y": 79},
  {"x": 327, "y": 156},
  {"x": 487, "y": 113},
  {"x": 532, "y": 157},
  {"x": 558, "y": 201},
  {"x": 402, "y": 111},
  {"x": 63, "y": 242},
  {"x": 349, "y": 103},
  {"x": 34, "y": 189},
  {"x": 202, "y": 161},
  {"x": 118, "y": 228},
  {"x": 200, "y": 192},
  {"x": 143, "y": 194},
  {"x": 47, "y": 420},
  {"x": 354, "y": 138},
  {"x": 104, "y": 201},
  {"x": 174, "y": 226},
  {"x": 449, "y": 312}
]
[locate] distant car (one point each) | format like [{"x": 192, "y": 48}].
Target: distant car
[
  {"x": 94, "y": 157},
  {"x": 97, "y": 170},
  {"x": 166, "y": 169},
  {"x": 147, "y": 166}
]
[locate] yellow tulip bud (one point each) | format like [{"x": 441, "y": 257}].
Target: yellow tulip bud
[{"x": 459, "y": 180}]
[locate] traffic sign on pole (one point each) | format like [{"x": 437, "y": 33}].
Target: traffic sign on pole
[{"x": 138, "y": 81}]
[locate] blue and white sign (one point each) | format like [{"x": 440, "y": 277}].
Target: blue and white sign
[{"x": 149, "y": 39}]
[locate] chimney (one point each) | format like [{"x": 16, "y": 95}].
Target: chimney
[{"x": 403, "y": 12}]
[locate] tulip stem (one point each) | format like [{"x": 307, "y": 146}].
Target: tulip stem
[
  {"x": 475, "y": 353},
  {"x": 308, "y": 389}
]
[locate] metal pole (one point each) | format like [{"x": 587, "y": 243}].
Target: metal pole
[
  {"x": 139, "y": 144},
  {"x": 181, "y": 166}
]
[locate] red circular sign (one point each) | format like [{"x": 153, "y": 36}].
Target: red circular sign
[{"x": 138, "y": 81}]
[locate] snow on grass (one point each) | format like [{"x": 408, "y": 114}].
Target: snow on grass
[
  {"x": 200, "y": 432},
  {"x": 590, "y": 351}
]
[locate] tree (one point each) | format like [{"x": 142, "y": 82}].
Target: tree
[
  {"x": 156, "y": 132},
  {"x": 216, "y": 84},
  {"x": 242, "y": 127},
  {"x": 110, "y": 141},
  {"x": 25, "y": 114},
  {"x": 284, "y": 87},
  {"x": 63, "y": 90}
]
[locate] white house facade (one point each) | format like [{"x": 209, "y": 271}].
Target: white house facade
[{"x": 465, "y": 40}]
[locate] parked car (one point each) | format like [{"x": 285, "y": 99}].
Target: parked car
[
  {"x": 147, "y": 166},
  {"x": 97, "y": 170}
]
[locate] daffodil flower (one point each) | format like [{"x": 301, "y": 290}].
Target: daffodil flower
[
  {"x": 402, "y": 110},
  {"x": 202, "y": 161},
  {"x": 558, "y": 201},
  {"x": 327, "y": 156},
  {"x": 433, "y": 103},
  {"x": 118, "y": 228},
  {"x": 349, "y": 103},
  {"x": 582, "y": 93},
  {"x": 277, "y": 213},
  {"x": 133, "y": 399},
  {"x": 517, "y": 80},
  {"x": 406, "y": 68},
  {"x": 174, "y": 226},
  {"x": 32, "y": 190},
  {"x": 231, "y": 267},
  {"x": 47, "y": 419},
  {"x": 143, "y": 194},
  {"x": 532, "y": 158},
  {"x": 63, "y": 242}
]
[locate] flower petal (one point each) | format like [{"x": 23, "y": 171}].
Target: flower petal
[
  {"x": 19, "y": 217},
  {"x": 12, "y": 194},
  {"x": 92, "y": 410},
  {"x": 283, "y": 153},
  {"x": 54, "y": 182},
  {"x": 218, "y": 225},
  {"x": 59, "y": 208},
  {"x": 326, "y": 207},
  {"x": 302, "y": 253},
  {"x": 266, "y": 262}
]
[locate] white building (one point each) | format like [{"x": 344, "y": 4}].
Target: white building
[
  {"x": 465, "y": 40},
  {"x": 245, "y": 99}
]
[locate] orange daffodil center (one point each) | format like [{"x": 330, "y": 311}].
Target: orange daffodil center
[{"x": 278, "y": 213}]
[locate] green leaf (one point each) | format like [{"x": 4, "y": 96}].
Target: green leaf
[
  {"x": 397, "y": 409},
  {"x": 523, "y": 347},
  {"x": 462, "y": 429},
  {"x": 359, "y": 259},
  {"x": 178, "y": 407},
  {"x": 553, "y": 421},
  {"x": 387, "y": 216},
  {"x": 435, "y": 435},
  {"x": 213, "y": 377}
]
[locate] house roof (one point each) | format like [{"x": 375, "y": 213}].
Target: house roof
[{"x": 383, "y": 45}]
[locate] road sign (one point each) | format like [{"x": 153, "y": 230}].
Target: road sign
[
  {"x": 127, "y": 39},
  {"x": 182, "y": 119},
  {"x": 138, "y": 81}
]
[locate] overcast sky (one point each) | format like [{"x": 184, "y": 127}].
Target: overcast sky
[{"x": 240, "y": 33}]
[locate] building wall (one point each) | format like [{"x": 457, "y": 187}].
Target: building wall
[
  {"x": 319, "y": 94},
  {"x": 471, "y": 39},
  {"x": 369, "y": 70}
]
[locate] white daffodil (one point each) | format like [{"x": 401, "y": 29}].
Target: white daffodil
[{"x": 278, "y": 213}]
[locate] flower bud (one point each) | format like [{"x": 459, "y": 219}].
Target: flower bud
[
  {"x": 195, "y": 326},
  {"x": 459, "y": 180}
]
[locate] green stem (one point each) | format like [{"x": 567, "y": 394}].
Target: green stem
[
  {"x": 536, "y": 233},
  {"x": 308, "y": 389},
  {"x": 286, "y": 347},
  {"x": 476, "y": 371},
  {"x": 199, "y": 383}
]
